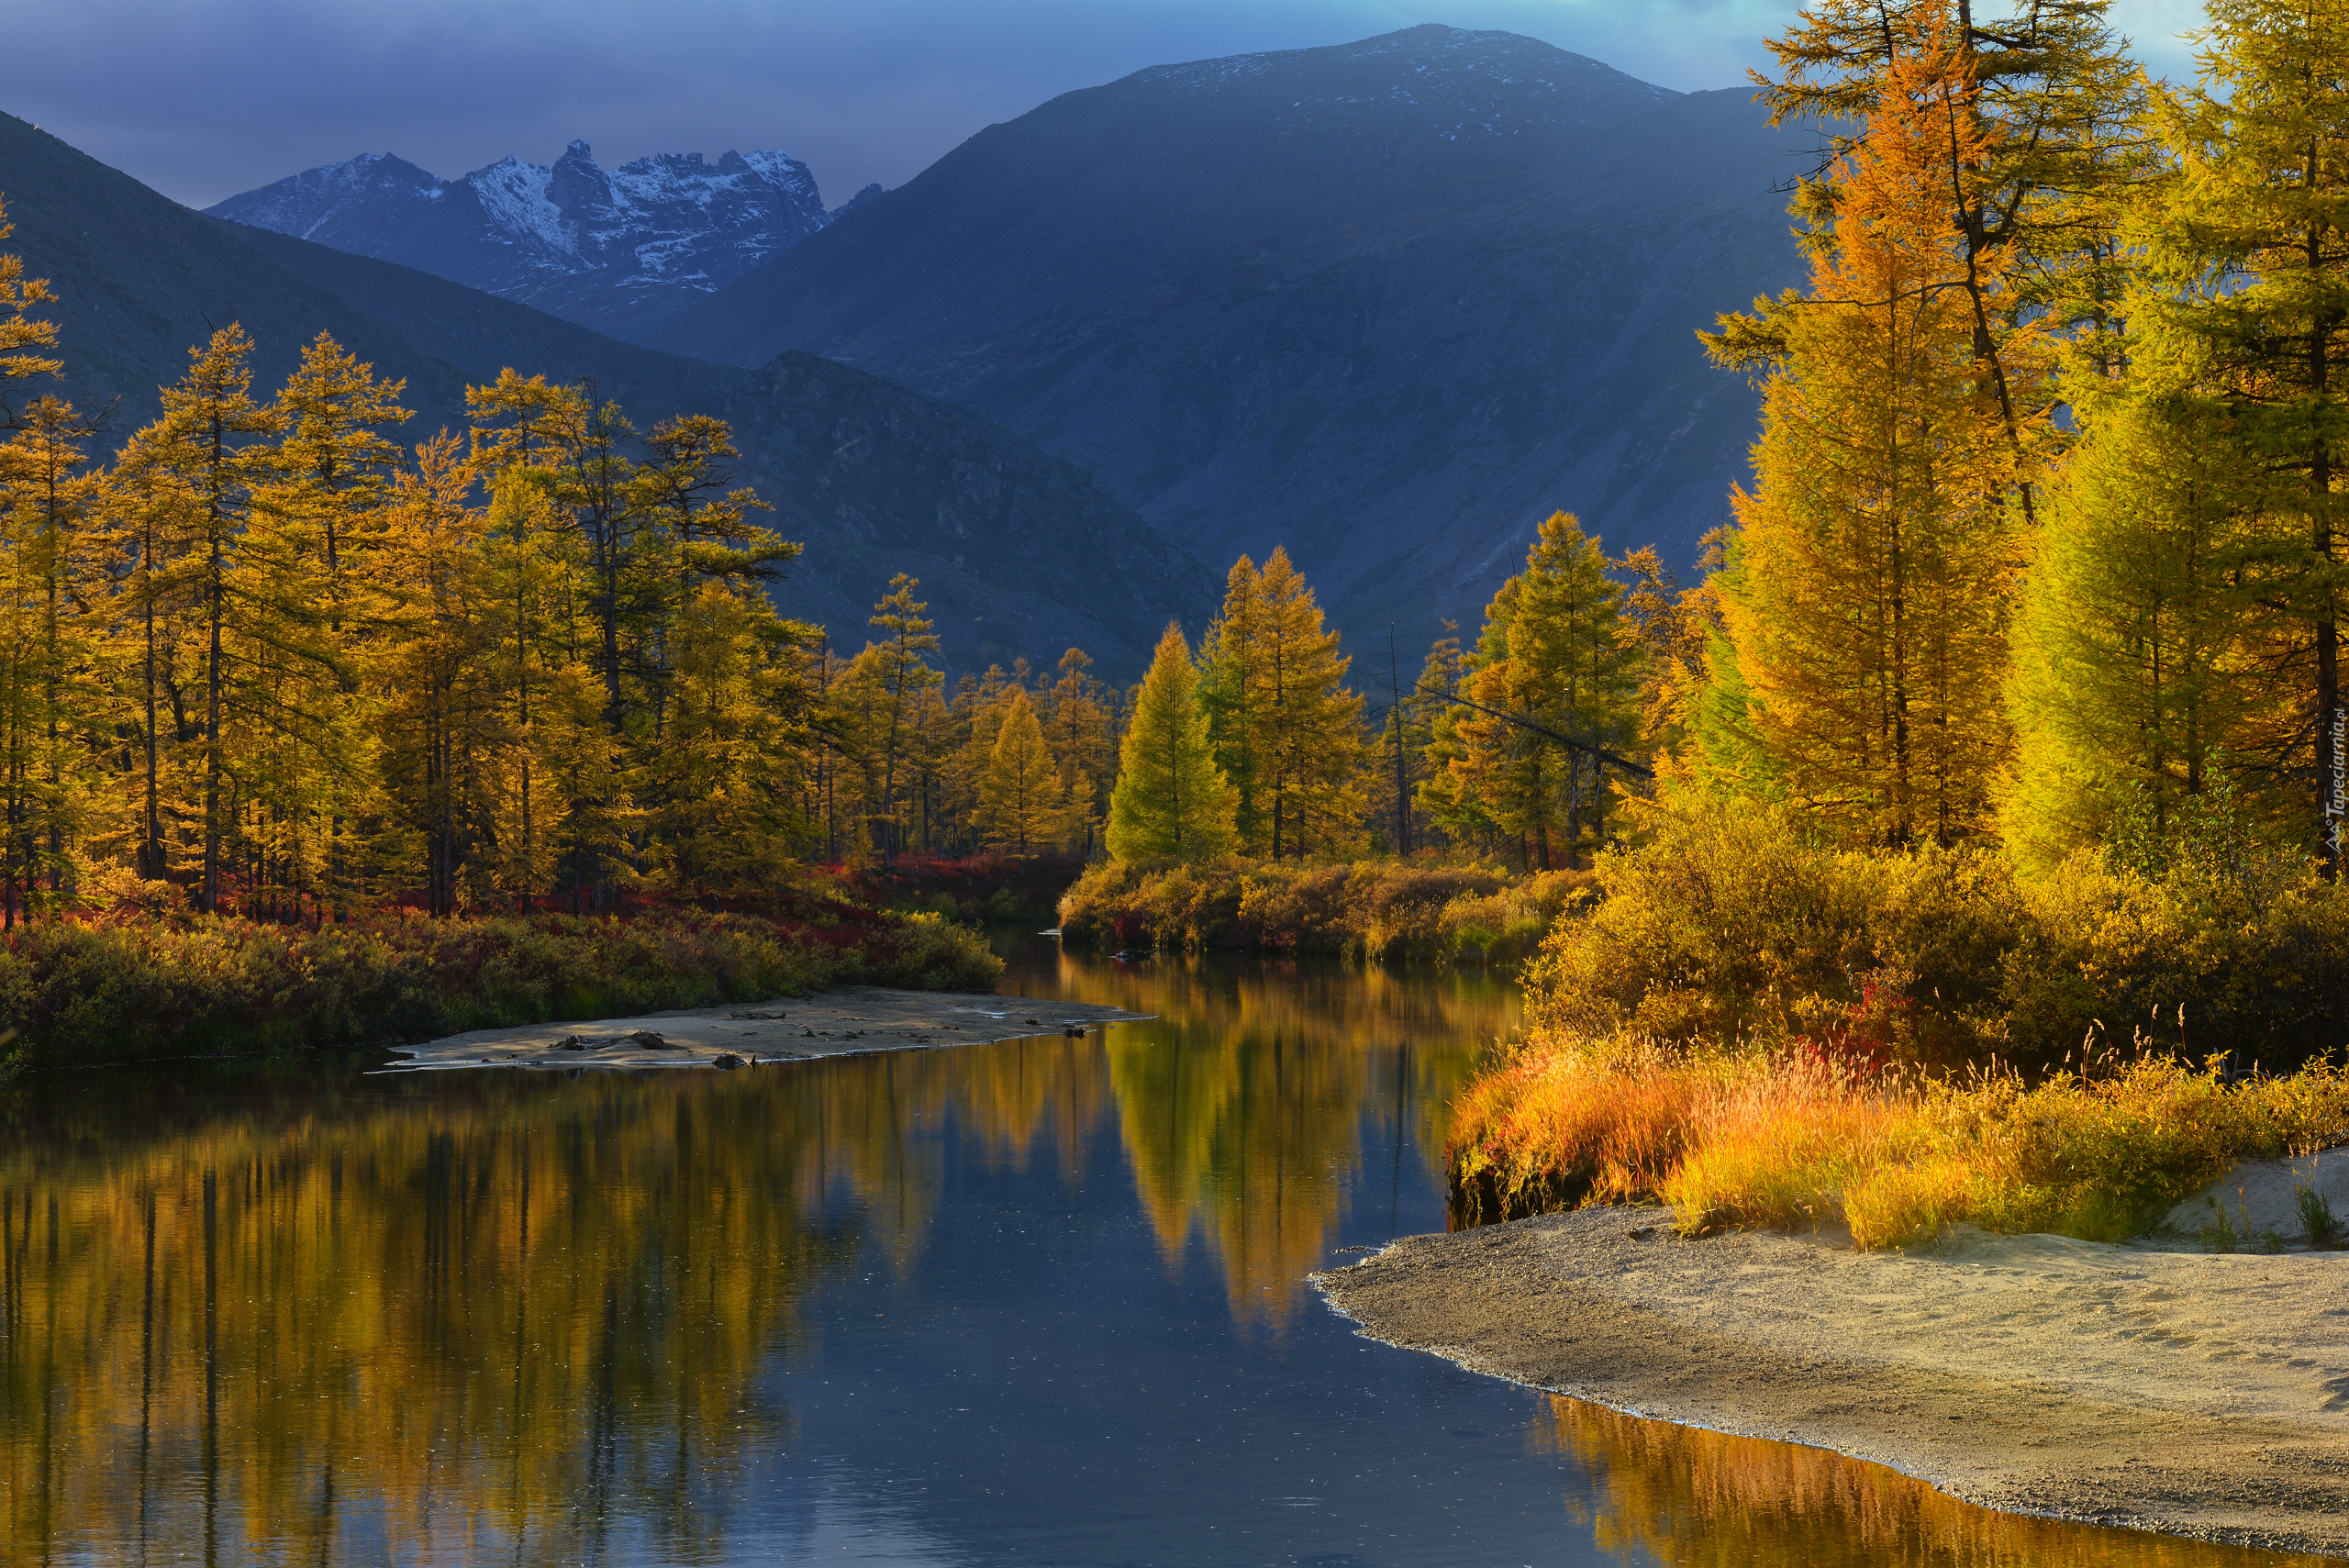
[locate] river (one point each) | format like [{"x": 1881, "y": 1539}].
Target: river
[{"x": 1034, "y": 1302}]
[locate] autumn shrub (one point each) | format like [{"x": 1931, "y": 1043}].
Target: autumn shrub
[
  {"x": 101, "y": 992},
  {"x": 1386, "y": 910},
  {"x": 1511, "y": 920},
  {"x": 1736, "y": 927},
  {"x": 2249, "y": 959}
]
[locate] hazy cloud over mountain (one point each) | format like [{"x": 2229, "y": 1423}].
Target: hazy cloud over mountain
[{"x": 205, "y": 98}]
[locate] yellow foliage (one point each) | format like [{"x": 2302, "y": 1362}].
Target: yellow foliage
[
  {"x": 1866, "y": 599},
  {"x": 1798, "y": 1139}
]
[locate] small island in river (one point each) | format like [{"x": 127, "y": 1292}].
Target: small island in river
[{"x": 848, "y": 1021}]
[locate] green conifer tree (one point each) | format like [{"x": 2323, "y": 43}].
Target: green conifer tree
[
  {"x": 2247, "y": 258},
  {"x": 2131, "y": 688},
  {"x": 1555, "y": 681},
  {"x": 1171, "y": 800}
]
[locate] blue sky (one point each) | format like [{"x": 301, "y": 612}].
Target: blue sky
[{"x": 205, "y": 98}]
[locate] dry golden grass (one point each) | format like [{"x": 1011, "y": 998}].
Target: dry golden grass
[{"x": 1798, "y": 1140}]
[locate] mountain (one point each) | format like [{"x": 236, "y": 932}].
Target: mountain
[
  {"x": 1021, "y": 553},
  {"x": 600, "y": 249},
  {"x": 1388, "y": 303}
]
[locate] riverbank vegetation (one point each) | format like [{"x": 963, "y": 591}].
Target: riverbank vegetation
[
  {"x": 1803, "y": 1141},
  {"x": 1382, "y": 910},
  {"x": 1897, "y": 954},
  {"x": 85, "y": 992},
  {"x": 1966, "y": 844},
  {"x": 1760, "y": 1030},
  {"x": 276, "y": 693}
]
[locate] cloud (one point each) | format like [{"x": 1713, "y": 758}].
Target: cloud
[{"x": 205, "y": 98}]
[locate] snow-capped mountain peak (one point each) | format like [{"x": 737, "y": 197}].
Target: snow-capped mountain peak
[{"x": 597, "y": 246}]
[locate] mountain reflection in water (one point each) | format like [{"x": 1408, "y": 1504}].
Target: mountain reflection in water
[{"x": 1033, "y": 1302}]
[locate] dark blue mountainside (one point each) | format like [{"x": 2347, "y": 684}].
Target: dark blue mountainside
[
  {"x": 1020, "y": 553},
  {"x": 1387, "y": 304}
]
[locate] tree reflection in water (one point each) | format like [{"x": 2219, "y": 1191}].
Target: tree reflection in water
[
  {"x": 1683, "y": 1494},
  {"x": 291, "y": 1313},
  {"x": 1249, "y": 1112},
  {"x": 528, "y": 1311},
  {"x": 294, "y": 1312}
]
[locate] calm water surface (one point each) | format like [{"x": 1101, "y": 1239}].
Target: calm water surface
[{"x": 1036, "y": 1303}]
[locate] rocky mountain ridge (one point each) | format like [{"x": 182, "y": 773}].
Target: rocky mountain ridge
[
  {"x": 1387, "y": 304},
  {"x": 1019, "y": 553},
  {"x": 601, "y": 248}
]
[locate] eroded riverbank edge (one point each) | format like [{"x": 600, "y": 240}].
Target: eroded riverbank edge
[
  {"x": 849, "y": 1020},
  {"x": 2195, "y": 1395}
]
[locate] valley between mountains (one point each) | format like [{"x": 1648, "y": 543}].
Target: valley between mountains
[{"x": 1386, "y": 304}]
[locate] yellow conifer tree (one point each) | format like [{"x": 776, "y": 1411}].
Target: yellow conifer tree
[
  {"x": 1171, "y": 799},
  {"x": 1023, "y": 801},
  {"x": 1869, "y": 601}
]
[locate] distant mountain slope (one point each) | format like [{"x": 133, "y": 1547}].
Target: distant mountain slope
[
  {"x": 595, "y": 248},
  {"x": 1020, "y": 553},
  {"x": 1388, "y": 303}
]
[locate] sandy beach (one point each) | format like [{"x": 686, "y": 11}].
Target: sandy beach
[
  {"x": 845, "y": 1022},
  {"x": 2156, "y": 1385}
]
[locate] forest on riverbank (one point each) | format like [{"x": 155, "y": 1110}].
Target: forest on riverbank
[
  {"x": 1995, "y": 872},
  {"x": 2003, "y": 725},
  {"x": 1966, "y": 844}
]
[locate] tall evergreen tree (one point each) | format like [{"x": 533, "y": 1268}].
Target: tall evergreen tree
[
  {"x": 50, "y": 649},
  {"x": 739, "y": 709},
  {"x": 517, "y": 428},
  {"x": 902, "y": 672},
  {"x": 446, "y": 734},
  {"x": 316, "y": 547},
  {"x": 1446, "y": 796},
  {"x": 2042, "y": 108},
  {"x": 23, "y": 335},
  {"x": 201, "y": 466},
  {"x": 2132, "y": 688},
  {"x": 2247, "y": 251},
  {"x": 1554, "y": 683},
  {"x": 1077, "y": 727},
  {"x": 1289, "y": 733},
  {"x": 1234, "y": 694},
  {"x": 1022, "y": 798},
  {"x": 1171, "y": 799}
]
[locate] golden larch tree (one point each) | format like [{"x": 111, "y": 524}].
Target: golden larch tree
[{"x": 1873, "y": 558}]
